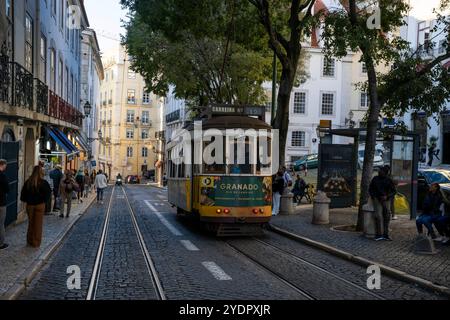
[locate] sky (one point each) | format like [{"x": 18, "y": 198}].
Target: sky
[{"x": 105, "y": 16}]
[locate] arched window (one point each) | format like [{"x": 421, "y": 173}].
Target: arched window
[{"x": 8, "y": 136}]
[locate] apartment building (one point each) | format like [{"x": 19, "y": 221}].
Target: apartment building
[{"x": 130, "y": 119}]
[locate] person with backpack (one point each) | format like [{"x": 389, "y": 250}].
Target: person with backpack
[
  {"x": 56, "y": 175},
  {"x": 35, "y": 193},
  {"x": 79, "y": 178},
  {"x": 68, "y": 187}
]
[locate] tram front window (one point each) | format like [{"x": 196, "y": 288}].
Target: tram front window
[{"x": 241, "y": 163}]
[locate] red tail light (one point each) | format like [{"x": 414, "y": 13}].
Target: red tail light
[
  {"x": 226, "y": 211},
  {"x": 255, "y": 211}
]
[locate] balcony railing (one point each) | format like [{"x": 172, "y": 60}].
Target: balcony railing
[
  {"x": 22, "y": 87},
  {"x": 42, "y": 96},
  {"x": 18, "y": 88}
]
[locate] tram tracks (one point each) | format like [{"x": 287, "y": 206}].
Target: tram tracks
[
  {"x": 97, "y": 269},
  {"x": 299, "y": 283}
]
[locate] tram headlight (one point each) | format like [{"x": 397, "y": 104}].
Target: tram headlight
[
  {"x": 261, "y": 211},
  {"x": 219, "y": 211}
]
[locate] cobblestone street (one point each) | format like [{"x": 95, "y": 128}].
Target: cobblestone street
[{"x": 190, "y": 264}]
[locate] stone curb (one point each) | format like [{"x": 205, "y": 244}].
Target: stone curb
[
  {"x": 30, "y": 273},
  {"x": 395, "y": 273}
]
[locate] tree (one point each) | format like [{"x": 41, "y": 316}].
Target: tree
[
  {"x": 347, "y": 29},
  {"x": 286, "y": 23},
  {"x": 194, "y": 48}
]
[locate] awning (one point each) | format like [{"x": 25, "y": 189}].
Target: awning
[
  {"x": 81, "y": 141},
  {"x": 62, "y": 141}
]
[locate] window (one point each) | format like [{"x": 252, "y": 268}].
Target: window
[
  {"x": 328, "y": 67},
  {"x": 442, "y": 46},
  {"x": 60, "y": 77},
  {"x": 53, "y": 69},
  {"x": 110, "y": 97},
  {"x": 130, "y": 133},
  {"x": 145, "y": 117},
  {"x": 131, "y": 74},
  {"x": 300, "y": 102},
  {"x": 112, "y": 74},
  {"x": 43, "y": 58},
  {"x": 131, "y": 97},
  {"x": 67, "y": 84},
  {"x": 363, "y": 68},
  {"x": 327, "y": 104},
  {"x": 130, "y": 116},
  {"x": 144, "y": 134},
  {"x": 144, "y": 152},
  {"x": 8, "y": 8},
  {"x": 61, "y": 16},
  {"x": 129, "y": 152},
  {"x": 364, "y": 100},
  {"x": 146, "y": 98},
  {"x": 298, "y": 139},
  {"x": 28, "y": 43},
  {"x": 54, "y": 7},
  {"x": 71, "y": 90},
  {"x": 107, "y": 77}
]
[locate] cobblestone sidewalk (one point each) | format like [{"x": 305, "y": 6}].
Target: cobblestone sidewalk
[
  {"x": 398, "y": 254},
  {"x": 18, "y": 261}
]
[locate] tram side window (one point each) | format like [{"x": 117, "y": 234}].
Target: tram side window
[
  {"x": 265, "y": 154},
  {"x": 241, "y": 168},
  {"x": 215, "y": 168}
]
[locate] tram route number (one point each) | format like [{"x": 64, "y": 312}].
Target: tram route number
[{"x": 227, "y": 310}]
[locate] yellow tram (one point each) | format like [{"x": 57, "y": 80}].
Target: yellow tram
[{"x": 229, "y": 190}]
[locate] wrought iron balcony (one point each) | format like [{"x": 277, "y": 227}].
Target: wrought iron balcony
[
  {"x": 5, "y": 78},
  {"x": 42, "y": 97},
  {"x": 22, "y": 87}
]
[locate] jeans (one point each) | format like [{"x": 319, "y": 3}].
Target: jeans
[
  {"x": 382, "y": 216},
  {"x": 427, "y": 221},
  {"x": 2, "y": 225},
  {"x": 100, "y": 194},
  {"x": 56, "y": 205},
  {"x": 276, "y": 203}
]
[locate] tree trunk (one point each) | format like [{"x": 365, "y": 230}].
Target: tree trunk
[
  {"x": 371, "y": 137},
  {"x": 281, "y": 121}
]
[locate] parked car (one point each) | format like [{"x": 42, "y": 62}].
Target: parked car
[
  {"x": 310, "y": 161},
  {"x": 427, "y": 177},
  {"x": 378, "y": 161},
  {"x": 133, "y": 179}
]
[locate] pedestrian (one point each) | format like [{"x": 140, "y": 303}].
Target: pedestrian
[
  {"x": 286, "y": 177},
  {"x": 431, "y": 154},
  {"x": 79, "y": 178},
  {"x": 87, "y": 183},
  {"x": 299, "y": 189},
  {"x": 67, "y": 188},
  {"x": 278, "y": 186},
  {"x": 35, "y": 193},
  {"x": 4, "y": 190},
  {"x": 100, "y": 184},
  {"x": 381, "y": 190},
  {"x": 56, "y": 175}
]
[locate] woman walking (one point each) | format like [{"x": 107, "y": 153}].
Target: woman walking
[
  {"x": 35, "y": 193},
  {"x": 68, "y": 186},
  {"x": 79, "y": 178}
]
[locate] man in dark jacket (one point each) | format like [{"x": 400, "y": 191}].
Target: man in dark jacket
[
  {"x": 56, "y": 175},
  {"x": 382, "y": 190},
  {"x": 431, "y": 213},
  {"x": 4, "y": 189}
]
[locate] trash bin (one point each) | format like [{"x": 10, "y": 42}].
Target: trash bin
[
  {"x": 287, "y": 203},
  {"x": 321, "y": 209},
  {"x": 369, "y": 219}
]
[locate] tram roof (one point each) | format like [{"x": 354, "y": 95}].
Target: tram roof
[{"x": 233, "y": 122}]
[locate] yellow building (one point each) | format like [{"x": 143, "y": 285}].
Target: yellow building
[{"x": 129, "y": 119}]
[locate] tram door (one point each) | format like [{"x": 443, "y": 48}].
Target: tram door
[{"x": 10, "y": 152}]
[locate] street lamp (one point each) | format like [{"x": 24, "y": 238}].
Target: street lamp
[{"x": 87, "y": 109}]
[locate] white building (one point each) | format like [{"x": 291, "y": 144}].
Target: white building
[
  {"x": 421, "y": 34},
  {"x": 175, "y": 113},
  {"x": 91, "y": 74}
]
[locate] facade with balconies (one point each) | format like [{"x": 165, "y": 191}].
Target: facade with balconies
[
  {"x": 129, "y": 118},
  {"x": 40, "y": 111}
]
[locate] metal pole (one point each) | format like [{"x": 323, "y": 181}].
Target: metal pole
[{"x": 274, "y": 87}]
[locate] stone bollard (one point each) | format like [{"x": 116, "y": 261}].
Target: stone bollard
[
  {"x": 321, "y": 209},
  {"x": 370, "y": 229},
  {"x": 286, "y": 203}
]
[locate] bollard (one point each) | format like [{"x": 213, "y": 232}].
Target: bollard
[
  {"x": 369, "y": 220},
  {"x": 321, "y": 209},
  {"x": 286, "y": 203}
]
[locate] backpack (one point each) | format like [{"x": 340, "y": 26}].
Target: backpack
[{"x": 68, "y": 186}]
